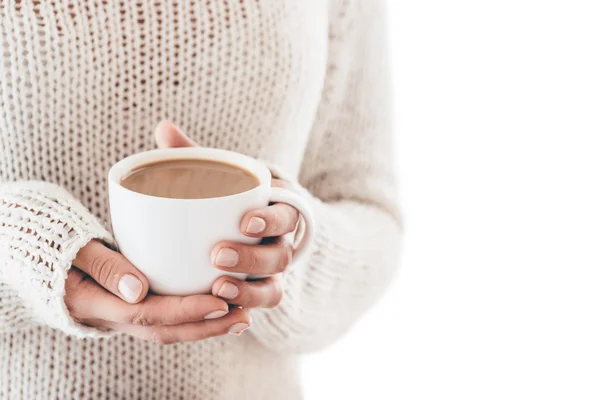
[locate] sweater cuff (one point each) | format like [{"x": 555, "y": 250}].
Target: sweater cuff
[
  {"x": 42, "y": 228},
  {"x": 351, "y": 262},
  {"x": 288, "y": 322}
]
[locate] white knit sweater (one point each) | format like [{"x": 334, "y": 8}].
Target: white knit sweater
[{"x": 300, "y": 84}]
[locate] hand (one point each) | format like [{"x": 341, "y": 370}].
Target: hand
[
  {"x": 105, "y": 290},
  {"x": 274, "y": 224}
]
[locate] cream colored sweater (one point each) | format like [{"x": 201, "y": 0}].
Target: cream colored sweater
[{"x": 300, "y": 84}]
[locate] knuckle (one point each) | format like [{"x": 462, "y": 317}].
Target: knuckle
[
  {"x": 273, "y": 220},
  {"x": 139, "y": 317},
  {"x": 276, "y": 296},
  {"x": 178, "y": 313},
  {"x": 74, "y": 292},
  {"x": 285, "y": 257},
  {"x": 160, "y": 337},
  {"x": 103, "y": 268},
  {"x": 249, "y": 298},
  {"x": 292, "y": 218},
  {"x": 252, "y": 259},
  {"x": 277, "y": 219},
  {"x": 73, "y": 307}
]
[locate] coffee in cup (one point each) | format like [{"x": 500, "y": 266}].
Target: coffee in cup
[{"x": 189, "y": 179}]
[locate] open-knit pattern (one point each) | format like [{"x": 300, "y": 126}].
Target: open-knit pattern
[{"x": 300, "y": 84}]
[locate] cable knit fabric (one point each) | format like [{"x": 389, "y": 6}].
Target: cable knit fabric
[{"x": 301, "y": 85}]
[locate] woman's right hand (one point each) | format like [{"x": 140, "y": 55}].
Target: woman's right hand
[{"x": 105, "y": 290}]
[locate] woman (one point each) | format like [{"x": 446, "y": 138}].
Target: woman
[{"x": 301, "y": 85}]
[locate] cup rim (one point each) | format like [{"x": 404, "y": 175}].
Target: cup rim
[{"x": 248, "y": 163}]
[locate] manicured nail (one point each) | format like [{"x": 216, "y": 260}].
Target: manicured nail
[
  {"x": 256, "y": 225},
  {"x": 237, "y": 329},
  {"x": 130, "y": 287},
  {"x": 227, "y": 257},
  {"x": 228, "y": 291},
  {"x": 215, "y": 314}
]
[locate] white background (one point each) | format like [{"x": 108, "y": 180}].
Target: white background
[{"x": 498, "y": 128}]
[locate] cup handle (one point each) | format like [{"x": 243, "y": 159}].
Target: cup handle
[{"x": 282, "y": 195}]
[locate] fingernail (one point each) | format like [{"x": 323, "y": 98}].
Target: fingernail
[
  {"x": 237, "y": 329},
  {"x": 130, "y": 287},
  {"x": 215, "y": 314},
  {"x": 228, "y": 291},
  {"x": 227, "y": 257},
  {"x": 256, "y": 225}
]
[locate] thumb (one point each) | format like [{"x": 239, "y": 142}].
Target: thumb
[
  {"x": 112, "y": 271},
  {"x": 168, "y": 135}
]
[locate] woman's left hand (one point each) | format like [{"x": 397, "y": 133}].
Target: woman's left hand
[{"x": 274, "y": 224}]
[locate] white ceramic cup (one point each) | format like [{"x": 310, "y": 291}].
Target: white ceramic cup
[{"x": 170, "y": 240}]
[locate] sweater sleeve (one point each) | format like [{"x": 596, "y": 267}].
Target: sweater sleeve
[
  {"x": 348, "y": 178},
  {"x": 42, "y": 227}
]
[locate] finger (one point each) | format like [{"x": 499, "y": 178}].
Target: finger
[
  {"x": 275, "y": 220},
  {"x": 168, "y": 135},
  {"x": 157, "y": 310},
  {"x": 173, "y": 310},
  {"x": 235, "y": 322},
  {"x": 262, "y": 293},
  {"x": 262, "y": 259},
  {"x": 112, "y": 271}
]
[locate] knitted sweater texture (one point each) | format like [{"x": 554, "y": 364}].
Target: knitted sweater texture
[{"x": 301, "y": 85}]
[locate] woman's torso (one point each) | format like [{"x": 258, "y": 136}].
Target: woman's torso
[{"x": 82, "y": 85}]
